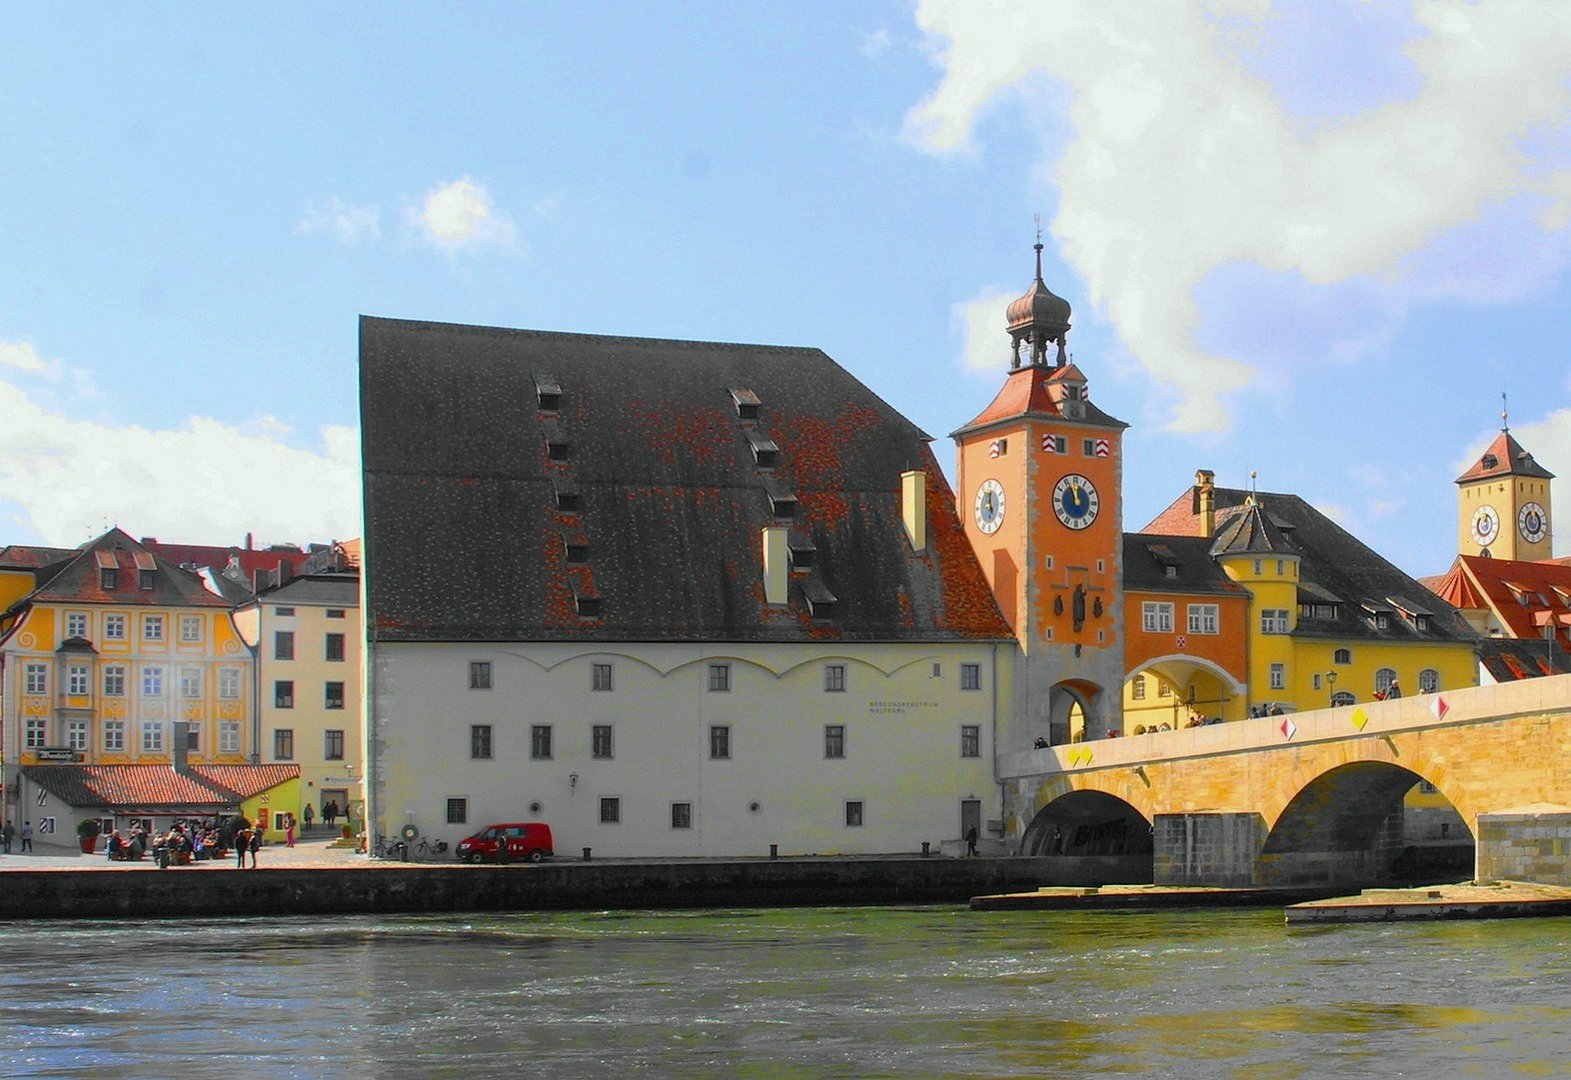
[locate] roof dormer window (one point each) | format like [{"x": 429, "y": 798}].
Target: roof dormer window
[
  {"x": 747, "y": 403},
  {"x": 803, "y": 554},
  {"x": 821, "y": 603},
  {"x": 548, "y": 392},
  {"x": 567, "y": 500},
  {"x": 782, "y": 503},
  {"x": 765, "y": 453},
  {"x": 577, "y": 552},
  {"x": 588, "y": 605}
]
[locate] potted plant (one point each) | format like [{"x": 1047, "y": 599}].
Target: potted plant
[{"x": 87, "y": 831}]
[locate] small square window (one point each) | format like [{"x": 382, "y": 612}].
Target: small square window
[
  {"x": 114, "y": 627},
  {"x": 480, "y": 742},
  {"x": 834, "y": 741},
  {"x": 719, "y": 678},
  {"x": 540, "y": 742},
  {"x": 287, "y": 612},
  {"x": 970, "y": 740},
  {"x": 610, "y": 811},
  {"x": 681, "y": 815},
  {"x": 719, "y": 742},
  {"x": 108, "y": 578},
  {"x": 334, "y": 648},
  {"x": 283, "y": 645},
  {"x": 145, "y": 580},
  {"x": 152, "y": 628},
  {"x": 479, "y": 674},
  {"x": 600, "y": 677},
  {"x": 190, "y": 628},
  {"x": 76, "y": 624},
  {"x": 284, "y": 694},
  {"x": 333, "y": 696},
  {"x": 600, "y": 742},
  {"x": 335, "y": 613},
  {"x": 854, "y": 814},
  {"x": 457, "y": 811},
  {"x": 834, "y": 678},
  {"x": 970, "y": 676}
]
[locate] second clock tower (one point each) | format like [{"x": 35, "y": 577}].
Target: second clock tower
[
  {"x": 1039, "y": 476},
  {"x": 1503, "y": 503}
]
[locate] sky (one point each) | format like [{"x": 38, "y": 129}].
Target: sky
[{"x": 1311, "y": 244}]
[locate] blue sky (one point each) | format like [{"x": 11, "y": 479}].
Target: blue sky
[{"x": 1315, "y": 242}]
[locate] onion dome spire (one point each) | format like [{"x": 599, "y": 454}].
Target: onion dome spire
[{"x": 1037, "y": 318}]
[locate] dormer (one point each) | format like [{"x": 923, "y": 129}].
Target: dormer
[
  {"x": 548, "y": 393},
  {"x": 586, "y": 601},
  {"x": 146, "y": 570},
  {"x": 747, "y": 403},
  {"x": 765, "y": 453},
  {"x": 558, "y": 446},
  {"x": 804, "y": 556},
  {"x": 821, "y": 603},
  {"x": 566, "y": 496},
  {"x": 782, "y": 503},
  {"x": 108, "y": 570}
]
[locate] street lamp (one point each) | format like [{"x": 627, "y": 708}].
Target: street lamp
[{"x": 1331, "y": 682}]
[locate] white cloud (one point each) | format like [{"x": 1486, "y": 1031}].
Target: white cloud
[
  {"x": 982, "y": 322},
  {"x": 21, "y": 355},
  {"x": 1184, "y": 160},
  {"x": 876, "y": 44},
  {"x": 460, "y": 215},
  {"x": 208, "y": 482},
  {"x": 345, "y": 222}
]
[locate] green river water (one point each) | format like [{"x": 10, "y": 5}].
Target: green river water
[{"x": 829, "y": 992}]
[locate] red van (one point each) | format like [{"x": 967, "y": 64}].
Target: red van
[{"x": 514, "y": 842}]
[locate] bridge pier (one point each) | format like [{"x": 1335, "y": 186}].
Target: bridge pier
[
  {"x": 1214, "y": 850},
  {"x": 1525, "y": 845}
]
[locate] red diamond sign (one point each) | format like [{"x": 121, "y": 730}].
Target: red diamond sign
[
  {"x": 1287, "y": 727},
  {"x": 1439, "y": 707}
]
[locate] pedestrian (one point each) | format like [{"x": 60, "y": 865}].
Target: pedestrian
[
  {"x": 242, "y": 844},
  {"x": 289, "y": 830},
  {"x": 308, "y": 816},
  {"x": 7, "y": 833},
  {"x": 27, "y": 836},
  {"x": 1393, "y": 691},
  {"x": 330, "y": 811},
  {"x": 971, "y": 842},
  {"x": 256, "y": 845}
]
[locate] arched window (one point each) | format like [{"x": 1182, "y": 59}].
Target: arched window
[
  {"x": 1383, "y": 680},
  {"x": 1341, "y": 697},
  {"x": 1342, "y": 656},
  {"x": 1428, "y": 681}
]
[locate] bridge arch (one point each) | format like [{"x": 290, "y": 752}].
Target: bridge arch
[
  {"x": 1199, "y": 684},
  {"x": 1088, "y": 823}
]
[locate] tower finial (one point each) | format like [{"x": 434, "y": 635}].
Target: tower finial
[
  {"x": 1038, "y": 219},
  {"x": 1505, "y": 414}
]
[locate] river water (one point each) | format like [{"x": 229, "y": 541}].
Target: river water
[{"x": 839, "y": 992}]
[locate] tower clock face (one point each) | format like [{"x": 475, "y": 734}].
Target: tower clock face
[
  {"x": 1532, "y": 522},
  {"x": 1486, "y": 525},
  {"x": 1075, "y": 501},
  {"x": 990, "y": 506}
]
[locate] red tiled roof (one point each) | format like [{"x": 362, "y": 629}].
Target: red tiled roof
[
  {"x": 127, "y": 787},
  {"x": 1503, "y": 584},
  {"x": 28, "y": 557},
  {"x": 250, "y": 559},
  {"x": 246, "y": 780},
  {"x": 1505, "y": 457},
  {"x": 81, "y": 581}
]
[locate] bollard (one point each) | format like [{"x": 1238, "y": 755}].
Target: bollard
[
  {"x": 926, "y": 844},
  {"x": 586, "y": 854},
  {"x": 774, "y": 851}
]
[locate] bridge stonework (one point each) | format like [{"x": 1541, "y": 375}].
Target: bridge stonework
[{"x": 1316, "y": 798}]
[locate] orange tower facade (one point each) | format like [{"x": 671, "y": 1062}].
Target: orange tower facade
[{"x": 1040, "y": 492}]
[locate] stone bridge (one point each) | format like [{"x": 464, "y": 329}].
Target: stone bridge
[{"x": 1308, "y": 799}]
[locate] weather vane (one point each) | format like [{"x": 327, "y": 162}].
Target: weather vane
[{"x": 1505, "y": 415}]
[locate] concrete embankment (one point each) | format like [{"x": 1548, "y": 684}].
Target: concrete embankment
[
  {"x": 1497, "y": 900},
  {"x": 71, "y": 894},
  {"x": 1140, "y": 897}
]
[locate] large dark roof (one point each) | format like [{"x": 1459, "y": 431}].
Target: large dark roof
[
  {"x": 79, "y": 580},
  {"x": 1336, "y": 570},
  {"x": 327, "y": 590},
  {"x": 1148, "y": 557},
  {"x": 464, "y": 468}
]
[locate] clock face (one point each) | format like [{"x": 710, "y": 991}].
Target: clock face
[
  {"x": 990, "y": 506},
  {"x": 1075, "y": 501},
  {"x": 1532, "y": 522},
  {"x": 1486, "y": 526}
]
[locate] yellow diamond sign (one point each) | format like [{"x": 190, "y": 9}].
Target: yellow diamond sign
[{"x": 1360, "y": 718}]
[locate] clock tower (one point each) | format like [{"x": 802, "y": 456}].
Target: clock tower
[
  {"x": 1039, "y": 474},
  {"x": 1503, "y": 503}
]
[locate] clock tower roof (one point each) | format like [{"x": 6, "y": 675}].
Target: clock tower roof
[
  {"x": 1505, "y": 457},
  {"x": 1037, "y": 392}
]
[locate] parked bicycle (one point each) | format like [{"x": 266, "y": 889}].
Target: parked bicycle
[
  {"x": 430, "y": 849},
  {"x": 388, "y": 847}
]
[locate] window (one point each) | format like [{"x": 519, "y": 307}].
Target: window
[
  {"x": 36, "y": 730},
  {"x": 193, "y": 738},
  {"x": 333, "y": 744},
  {"x": 36, "y": 679},
  {"x": 1202, "y": 618},
  {"x": 283, "y": 645},
  {"x": 1428, "y": 681},
  {"x": 834, "y": 741},
  {"x": 190, "y": 628},
  {"x": 333, "y": 696},
  {"x": 1088, "y": 447},
  {"x": 480, "y": 742},
  {"x": 1054, "y": 444},
  {"x": 1314, "y": 681},
  {"x": 287, "y": 612},
  {"x": 600, "y": 677},
  {"x": 335, "y": 647},
  {"x": 76, "y": 624},
  {"x": 1382, "y": 620},
  {"x": 970, "y": 740},
  {"x": 854, "y": 814},
  {"x": 76, "y": 734},
  {"x": 1383, "y": 680},
  {"x": 1156, "y": 617},
  {"x": 1273, "y": 620},
  {"x": 719, "y": 742},
  {"x": 600, "y": 742},
  {"x": 1137, "y": 688},
  {"x": 284, "y": 694},
  {"x": 76, "y": 679},
  {"x": 834, "y": 678},
  {"x": 719, "y": 678},
  {"x": 1426, "y": 788},
  {"x": 228, "y": 683},
  {"x": 114, "y": 736},
  {"x": 1342, "y": 656},
  {"x": 190, "y": 682},
  {"x": 457, "y": 811},
  {"x": 152, "y": 628},
  {"x": 540, "y": 742},
  {"x": 152, "y": 682},
  {"x": 681, "y": 815},
  {"x": 970, "y": 676},
  {"x": 1259, "y": 567},
  {"x": 229, "y": 736},
  {"x": 479, "y": 674},
  {"x": 114, "y": 680},
  {"x": 335, "y": 613},
  {"x": 610, "y": 811},
  {"x": 108, "y": 578},
  {"x": 1341, "y": 697},
  {"x": 1164, "y": 689},
  {"x": 1278, "y": 676},
  {"x": 152, "y": 736},
  {"x": 114, "y": 627},
  {"x": 145, "y": 580},
  {"x": 284, "y": 743},
  {"x": 1281, "y": 567}
]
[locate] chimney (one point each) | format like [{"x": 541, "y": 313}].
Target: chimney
[
  {"x": 182, "y": 745},
  {"x": 1205, "y": 500},
  {"x": 913, "y": 507},
  {"x": 248, "y": 541},
  {"x": 776, "y": 564},
  {"x": 258, "y": 580},
  {"x": 286, "y": 571}
]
